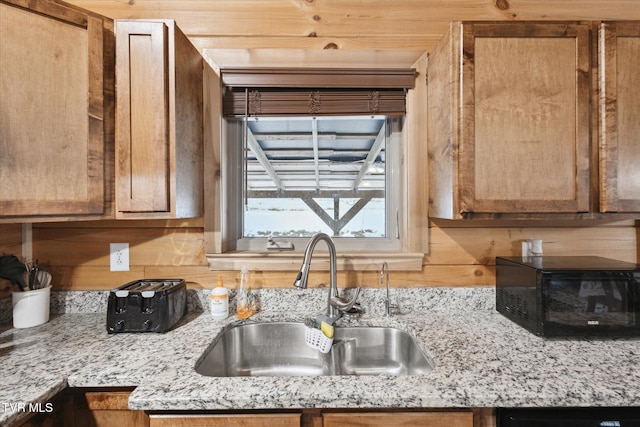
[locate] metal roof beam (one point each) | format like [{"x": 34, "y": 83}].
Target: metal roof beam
[
  {"x": 337, "y": 224},
  {"x": 326, "y": 194},
  {"x": 314, "y": 128},
  {"x": 371, "y": 157},
  {"x": 263, "y": 160},
  {"x": 284, "y": 136}
]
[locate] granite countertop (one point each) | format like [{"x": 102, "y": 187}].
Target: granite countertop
[{"x": 481, "y": 360}]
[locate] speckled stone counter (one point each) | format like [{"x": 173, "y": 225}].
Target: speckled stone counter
[{"x": 481, "y": 359}]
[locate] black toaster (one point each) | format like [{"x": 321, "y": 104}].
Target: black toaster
[{"x": 149, "y": 305}]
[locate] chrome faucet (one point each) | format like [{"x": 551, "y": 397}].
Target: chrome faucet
[
  {"x": 389, "y": 308},
  {"x": 336, "y": 305}
]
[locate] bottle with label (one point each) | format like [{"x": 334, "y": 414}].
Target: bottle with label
[
  {"x": 246, "y": 302},
  {"x": 219, "y": 301}
]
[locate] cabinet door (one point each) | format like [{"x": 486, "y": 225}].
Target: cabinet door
[
  {"x": 398, "y": 419},
  {"x": 509, "y": 120},
  {"x": 52, "y": 141},
  {"x": 524, "y": 125},
  {"x": 239, "y": 420},
  {"x": 619, "y": 116},
  {"x": 100, "y": 409},
  {"x": 142, "y": 115},
  {"x": 159, "y": 131}
]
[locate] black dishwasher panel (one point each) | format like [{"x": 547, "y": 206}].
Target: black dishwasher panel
[{"x": 568, "y": 417}]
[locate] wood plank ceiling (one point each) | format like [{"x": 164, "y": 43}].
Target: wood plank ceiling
[{"x": 387, "y": 25}]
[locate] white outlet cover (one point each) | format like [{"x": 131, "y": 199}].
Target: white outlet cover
[{"x": 119, "y": 256}]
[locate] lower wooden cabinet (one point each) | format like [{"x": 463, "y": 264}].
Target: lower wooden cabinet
[
  {"x": 109, "y": 408},
  {"x": 226, "y": 420},
  {"x": 398, "y": 419},
  {"x": 320, "y": 418},
  {"x": 88, "y": 408},
  {"x": 101, "y": 409}
]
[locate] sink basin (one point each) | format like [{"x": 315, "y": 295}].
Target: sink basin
[{"x": 279, "y": 349}]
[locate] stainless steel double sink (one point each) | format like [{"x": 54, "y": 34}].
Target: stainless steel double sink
[{"x": 279, "y": 349}]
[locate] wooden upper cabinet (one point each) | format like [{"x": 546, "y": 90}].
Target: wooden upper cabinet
[
  {"x": 55, "y": 94},
  {"x": 619, "y": 44},
  {"x": 509, "y": 120},
  {"x": 159, "y": 131}
]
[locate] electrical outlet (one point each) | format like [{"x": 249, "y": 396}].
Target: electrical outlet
[{"x": 119, "y": 256}]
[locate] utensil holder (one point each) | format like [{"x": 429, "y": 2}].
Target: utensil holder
[{"x": 31, "y": 308}]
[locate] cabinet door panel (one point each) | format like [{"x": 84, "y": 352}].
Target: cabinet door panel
[
  {"x": 398, "y": 419},
  {"x": 142, "y": 158},
  {"x": 159, "y": 122},
  {"x": 620, "y": 117},
  {"x": 51, "y": 112},
  {"x": 247, "y": 420},
  {"x": 525, "y": 118}
]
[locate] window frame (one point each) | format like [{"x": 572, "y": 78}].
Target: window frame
[{"x": 413, "y": 222}]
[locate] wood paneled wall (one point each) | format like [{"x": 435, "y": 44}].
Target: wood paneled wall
[
  {"x": 11, "y": 239},
  {"x": 10, "y": 244},
  {"x": 460, "y": 253}
]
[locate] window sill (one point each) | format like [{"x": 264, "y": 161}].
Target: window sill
[{"x": 291, "y": 261}]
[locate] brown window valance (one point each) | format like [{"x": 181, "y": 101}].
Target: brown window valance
[
  {"x": 287, "y": 92},
  {"x": 316, "y": 102}
]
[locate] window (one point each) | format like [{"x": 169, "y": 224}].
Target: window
[
  {"x": 303, "y": 175},
  {"x": 281, "y": 118}
]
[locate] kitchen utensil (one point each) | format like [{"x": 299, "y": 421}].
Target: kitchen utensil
[
  {"x": 33, "y": 275},
  {"x": 43, "y": 279}
]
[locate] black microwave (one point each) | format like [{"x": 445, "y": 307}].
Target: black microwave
[{"x": 573, "y": 296}]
